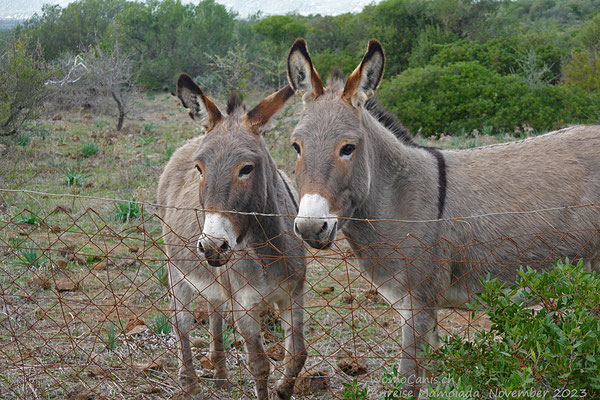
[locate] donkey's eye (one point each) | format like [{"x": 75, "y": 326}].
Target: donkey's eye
[
  {"x": 347, "y": 150},
  {"x": 296, "y": 147},
  {"x": 246, "y": 170},
  {"x": 199, "y": 170}
]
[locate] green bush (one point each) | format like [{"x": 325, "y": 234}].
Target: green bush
[
  {"x": 553, "y": 351},
  {"x": 465, "y": 96},
  {"x": 506, "y": 55},
  {"x": 23, "y": 77}
]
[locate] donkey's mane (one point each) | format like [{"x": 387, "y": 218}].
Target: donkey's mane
[
  {"x": 234, "y": 102},
  {"x": 336, "y": 82}
]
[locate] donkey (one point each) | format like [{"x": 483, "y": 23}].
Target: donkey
[
  {"x": 427, "y": 224},
  {"x": 240, "y": 253}
]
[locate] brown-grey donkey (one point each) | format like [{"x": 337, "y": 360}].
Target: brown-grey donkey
[
  {"x": 245, "y": 256},
  {"x": 426, "y": 225}
]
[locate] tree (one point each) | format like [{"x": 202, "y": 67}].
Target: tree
[
  {"x": 23, "y": 76},
  {"x": 98, "y": 79},
  {"x": 79, "y": 25}
]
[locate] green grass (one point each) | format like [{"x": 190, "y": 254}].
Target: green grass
[
  {"x": 29, "y": 217},
  {"x": 30, "y": 257},
  {"x": 160, "y": 324},
  {"x": 110, "y": 337},
  {"x": 89, "y": 149},
  {"x": 126, "y": 210},
  {"x": 75, "y": 176}
]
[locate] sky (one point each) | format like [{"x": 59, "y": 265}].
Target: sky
[{"x": 26, "y": 8}]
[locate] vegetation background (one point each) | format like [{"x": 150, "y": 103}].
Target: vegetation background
[{"x": 453, "y": 66}]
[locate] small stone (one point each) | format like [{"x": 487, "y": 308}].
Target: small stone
[
  {"x": 133, "y": 322},
  {"x": 198, "y": 342},
  {"x": 276, "y": 351},
  {"x": 94, "y": 370},
  {"x": 325, "y": 289},
  {"x": 39, "y": 313},
  {"x": 312, "y": 381},
  {"x": 56, "y": 117},
  {"x": 138, "y": 329},
  {"x": 66, "y": 285},
  {"x": 101, "y": 266},
  {"x": 134, "y": 248},
  {"x": 205, "y": 362},
  {"x": 55, "y": 229},
  {"x": 42, "y": 282},
  {"x": 352, "y": 366}
]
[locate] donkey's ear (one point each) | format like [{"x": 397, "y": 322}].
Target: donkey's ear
[
  {"x": 302, "y": 76},
  {"x": 260, "y": 115},
  {"x": 201, "y": 106},
  {"x": 366, "y": 77}
]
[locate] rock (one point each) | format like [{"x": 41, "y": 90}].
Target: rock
[
  {"x": 66, "y": 285},
  {"x": 374, "y": 297},
  {"x": 43, "y": 282},
  {"x": 325, "y": 289},
  {"x": 205, "y": 362},
  {"x": 138, "y": 329},
  {"x": 79, "y": 258},
  {"x": 351, "y": 365},
  {"x": 93, "y": 371},
  {"x": 134, "y": 248},
  {"x": 88, "y": 116},
  {"x": 199, "y": 342},
  {"x": 312, "y": 381},
  {"x": 66, "y": 251},
  {"x": 276, "y": 351},
  {"x": 101, "y": 266},
  {"x": 133, "y": 322},
  {"x": 56, "y": 117},
  {"x": 39, "y": 313}
]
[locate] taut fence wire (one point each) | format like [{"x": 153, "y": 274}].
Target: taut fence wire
[{"x": 86, "y": 301}]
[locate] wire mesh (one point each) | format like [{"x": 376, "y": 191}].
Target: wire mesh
[{"x": 86, "y": 306}]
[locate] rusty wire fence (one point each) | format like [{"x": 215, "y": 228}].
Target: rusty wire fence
[{"x": 85, "y": 308}]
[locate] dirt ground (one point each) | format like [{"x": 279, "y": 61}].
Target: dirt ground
[{"x": 84, "y": 304}]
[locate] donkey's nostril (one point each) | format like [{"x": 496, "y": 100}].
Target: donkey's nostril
[
  {"x": 200, "y": 248},
  {"x": 324, "y": 227},
  {"x": 224, "y": 246}
]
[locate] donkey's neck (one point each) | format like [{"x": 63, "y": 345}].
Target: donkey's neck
[{"x": 404, "y": 177}]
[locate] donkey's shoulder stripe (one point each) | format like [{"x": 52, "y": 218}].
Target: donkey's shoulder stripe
[
  {"x": 442, "y": 178},
  {"x": 290, "y": 193}
]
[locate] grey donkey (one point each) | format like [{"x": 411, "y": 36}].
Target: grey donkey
[
  {"x": 426, "y": 225},
  {"x": 250, "y": 259}
]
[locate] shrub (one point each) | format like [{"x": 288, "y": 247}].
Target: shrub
[
  {"x": 467, "y": 96},
  {"x": 23, "y": 74},
  {"x": 553, "y": 350}
]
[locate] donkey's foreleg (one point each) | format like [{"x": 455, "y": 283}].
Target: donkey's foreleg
[
  {"x": 419, "y": 328},
  {"x": 292, "y": 321},
  {"x": 217, "y": 349},
  {"x": 248, "y": 323},
  {"x": 181, "y": 296}
]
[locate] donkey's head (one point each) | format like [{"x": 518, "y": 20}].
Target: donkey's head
[
  {"x": 233, "y": 166},
  {"x": 332, "y": 169}
]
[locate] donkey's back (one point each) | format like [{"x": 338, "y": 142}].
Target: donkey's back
[{"x": 524, "y": 203}]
